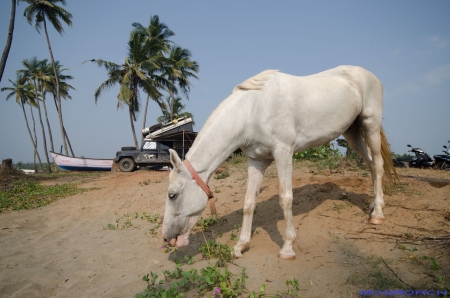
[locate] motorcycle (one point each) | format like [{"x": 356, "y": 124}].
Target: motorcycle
[
  {"x": 442, "y": 162},
  {"x": 421, "y": 160},
  {"x": 398, "y": 163}
]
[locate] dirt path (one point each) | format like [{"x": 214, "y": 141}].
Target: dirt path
[{"x": 69, "y": 249}]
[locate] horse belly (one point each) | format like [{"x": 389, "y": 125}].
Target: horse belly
[
  {"x": 326, "y": 116},
  {"x": 315, "y": 111}
]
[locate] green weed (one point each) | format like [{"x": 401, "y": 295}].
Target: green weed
[
  {"x": 29, "y": 194},
  {"x": 237, "y": 159},
  {"x": 205, "y": 223},
  {"x": 216, "y": 250},
  {"x": 125, "y": 222},
  {"x": 375, "y": 276},
  {"x": 222, "y": 175}
]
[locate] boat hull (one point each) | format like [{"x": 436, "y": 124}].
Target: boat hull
[{"x": 81, "y": 164}]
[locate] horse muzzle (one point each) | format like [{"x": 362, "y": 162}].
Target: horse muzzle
[{"x": 178, "y": 241}]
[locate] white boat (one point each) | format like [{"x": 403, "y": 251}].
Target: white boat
[
  {"x": 81, "y": 164},
  {"x": 27, "y": 171}
]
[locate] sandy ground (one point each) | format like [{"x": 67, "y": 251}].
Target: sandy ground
[{"x": 67, "y": 250}]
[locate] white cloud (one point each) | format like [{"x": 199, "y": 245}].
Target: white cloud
[
  {"x": 438, "y": 42},
  {"x": 396, "y": 52},
  {"x": 437, "y": 75},
  {"x": 424, "y": 81}
]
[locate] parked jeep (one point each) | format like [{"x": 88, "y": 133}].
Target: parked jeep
[
  {"x": 155, "y": 152},
  {"x": 159, "y": 138}
]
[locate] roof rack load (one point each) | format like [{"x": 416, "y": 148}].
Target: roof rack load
[{"x": 159, "y": 130}]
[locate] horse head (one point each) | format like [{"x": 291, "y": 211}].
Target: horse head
[{"x": 184, "y": 204}]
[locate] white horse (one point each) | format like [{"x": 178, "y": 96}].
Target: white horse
[{"x": 270, "y": 116}]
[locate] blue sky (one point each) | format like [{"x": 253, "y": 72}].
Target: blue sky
[{"x": 404, "y": 43}]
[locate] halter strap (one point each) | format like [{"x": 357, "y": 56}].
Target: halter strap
[{"x": 203, "y": 186}]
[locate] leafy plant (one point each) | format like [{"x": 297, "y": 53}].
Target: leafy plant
[
  {"x": 205, "y": 223},
  {"x": 293, "y": 288},
  {"x": 126, "y": 221},
  {"x": 222, "y": 175},
  {"x": 29, "y": 194},
  {"x": 237, "y": 158},
  {"x": 213, "y": 249},
  {"x": 189, "y": 260},
  {"x": 321, "y": 152}
]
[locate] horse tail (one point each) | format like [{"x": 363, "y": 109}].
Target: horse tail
[{"x": 388, "y": 165}]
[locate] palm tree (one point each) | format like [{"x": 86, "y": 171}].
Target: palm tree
[
  {"x": 139, "y": 72},
  {"x": 24, "y": 94},
  {"x": 180, "y": 70},
  {"x": 9, "y": 39},
  {"x": 32, "y": 73},
  {"x": 156, "y": 40},
  {"x": 173, "y": 110},
  {"x": 45, "y": 78},
  {"x": 64, "y": 88},
  {"x": 38, "y": 11}
]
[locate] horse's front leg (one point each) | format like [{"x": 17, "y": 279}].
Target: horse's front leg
[
  {"x": 256, "y": 169},
  {"x": 283, "y": 160}
]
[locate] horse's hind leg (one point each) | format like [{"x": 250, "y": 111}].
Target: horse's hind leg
[
  {"x": 283, "y": 159},
  {"x": 256, "y": 169},
  {"x": 356, "y": 142},
  {"x": 372, "y": 135}
]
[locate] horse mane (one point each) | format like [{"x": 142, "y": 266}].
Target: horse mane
[{"x": 255, "y": 82}]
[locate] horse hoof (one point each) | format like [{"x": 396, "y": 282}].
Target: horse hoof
[
  {"x": 376, "y": 220},
  {"x": 286, "y": 257}
]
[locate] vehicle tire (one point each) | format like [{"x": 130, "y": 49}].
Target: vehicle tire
[
  {"x": 438, "y": 165},
  {"x": 128, "y": 148},
  {"x": 446, "y": 166},
  {"x": 126, "y": 165},
  {"x": 424, "y": 166},
  {"x": 398, "y": 164}
]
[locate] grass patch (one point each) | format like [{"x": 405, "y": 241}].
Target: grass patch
[
  {"x": 30, "y": 194},
  {"x": 222, "y": 175},
  {"x": 205, "y": 224},
  {"x": 63, "y": 174},
  {"x": 126, "y": 221},
  {"x": 236, "y": 159},
  {"x": 375, "y": 276},
  {"x": 333, "y": 163},
  {"x": 211, "y": 281},
  {"x": 378, "y": 274},
  {"x": 216, "y": 250}
]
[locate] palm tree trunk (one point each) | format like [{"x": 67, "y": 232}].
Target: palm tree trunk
[
  {"x": 132, "y": 128},
  {"x": 44, "y": 139},
  {"x": 46, "y": 118},
  {"x": 8, "y": 40},
  {"x": 171, "y": 104},
  {"x": 61, "y": 124},
  {"x": 35, "y": 137},
  {"x": 31, "y": 136},
  {"x": 35, "y": 167},
  {"x": 145, "y": 117},
  {"x": 68, "y": 142},
  {"x": 65, "y": 132}
]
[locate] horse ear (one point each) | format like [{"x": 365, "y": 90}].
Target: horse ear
[{"x": 175, "y": 160}]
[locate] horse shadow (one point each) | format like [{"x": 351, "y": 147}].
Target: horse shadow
[{"x": 269, "y": 212}]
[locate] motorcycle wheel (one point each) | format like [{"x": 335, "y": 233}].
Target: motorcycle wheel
[
  {"x": 423, "y": 166},
  {"x": 438, "y": 165}
]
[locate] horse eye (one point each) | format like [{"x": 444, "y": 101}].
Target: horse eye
[{"x": 172, "y": 196}]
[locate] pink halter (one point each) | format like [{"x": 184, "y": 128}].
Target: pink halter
[{"x": 203, "y": 186}]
